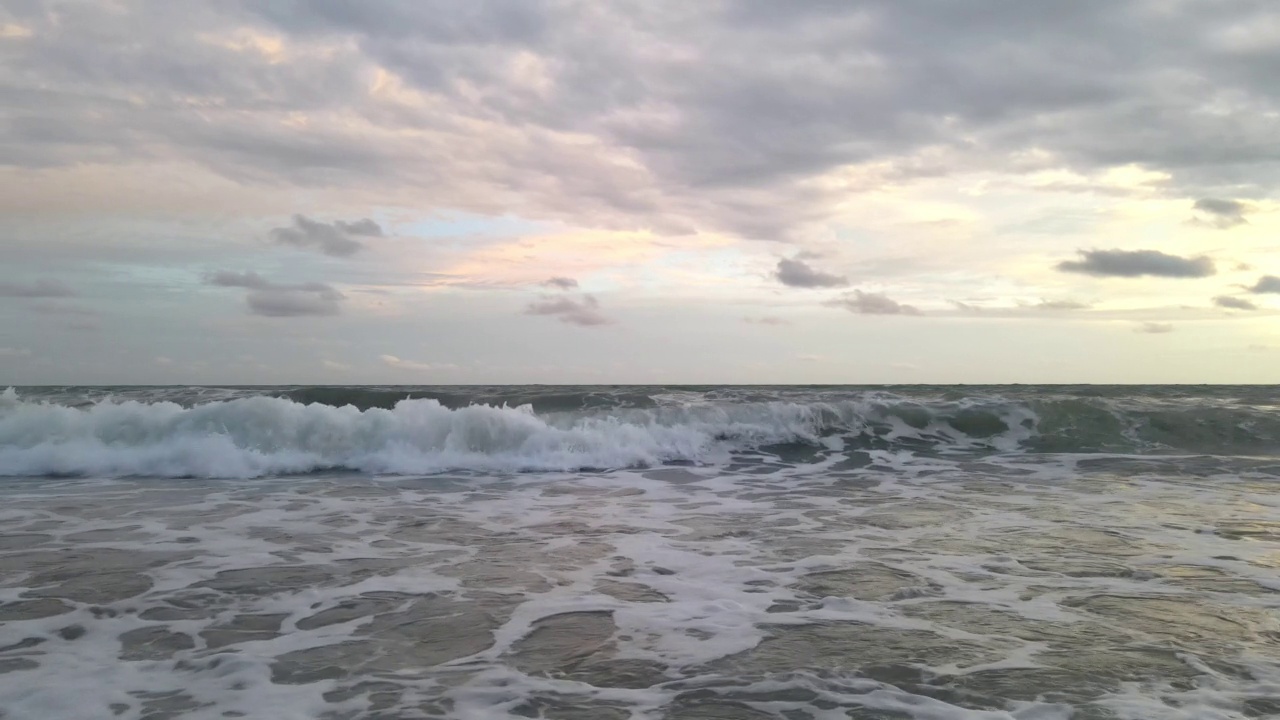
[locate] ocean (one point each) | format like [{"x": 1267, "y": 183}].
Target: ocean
[{"x": 583, "y": 553}]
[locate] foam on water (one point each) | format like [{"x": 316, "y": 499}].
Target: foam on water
[
  {"x": 251, "y": 437},
  {"x": 236, "y": 434},
  {"x": 812, "y": 558},
  {"x": 901, "y": 588}
]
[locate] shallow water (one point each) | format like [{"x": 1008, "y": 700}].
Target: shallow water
[
  {"x": 820, "y": 580},
  {"x": 1027, "y": 590}
]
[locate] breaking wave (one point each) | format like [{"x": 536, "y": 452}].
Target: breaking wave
[{"x": 298, "y": 432}]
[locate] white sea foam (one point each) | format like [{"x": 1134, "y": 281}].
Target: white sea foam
[
  {"x": 258, "y": 436},
  {"x": 720, "y": 579},
  {"x": 240, "y": 434},
  {"x": 794, "y": 582}
]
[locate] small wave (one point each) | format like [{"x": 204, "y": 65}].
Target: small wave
[{"x": 313, "y": 429}]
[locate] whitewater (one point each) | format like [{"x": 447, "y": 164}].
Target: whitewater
[{"x": 924, "y": 552}]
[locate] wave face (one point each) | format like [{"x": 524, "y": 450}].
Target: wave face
[{"x": 254, "y": 432}]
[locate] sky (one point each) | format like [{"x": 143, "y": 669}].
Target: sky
[{"x": 730, "y": 191}]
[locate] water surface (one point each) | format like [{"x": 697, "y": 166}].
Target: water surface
[{"x": 567, "y": 553}]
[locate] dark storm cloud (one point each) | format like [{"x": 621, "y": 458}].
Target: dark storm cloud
[
  {"x": 1222, "y": 214},
  {"x": 561, "y": 283},
  {"x": 1266, "y": 284},
  {"x": 865, "y": 303},
  {"x": 1233, "y": 303},
  {"x": 337, "y": 238},
  {"x": 271, "y": 299},
  {"x": 43, "y": 288},
  {"x": 585, "y": 312},
  {"x": 667, "y": 116},
  {"x": 797, "y": 273},
  {"x": 1154, "y": 328},
  {"x": 1137, "y": 263}
]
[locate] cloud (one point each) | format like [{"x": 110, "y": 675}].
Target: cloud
[
  {"x": 336, "y": 239},
  {"x": 293, "y": 303},
  {"x": 585, "y": 312},
  {"x": 766, "y": 320},
  {"x": 271, "y": 299},
  {"x": 1138, "y": 263},
  {"x": 860, "y": 125},
  {"x": 702, "y": 116},
  {"x": 363, "y": 227},
  {"x": 1019, "y": 308},
  {"x": 1266, "y": 284},
  {"x": 1061, "y": 305},
  {"x": 11, "y": 31},
  {"x": 14, "y": 352},
  {"x": 561, "y": 283},
  {"x": 1225, "y": 208},
  {"x": 43, "y": 288},
  {"x": 1154, "y": 328},
  {"x": 865, "y": 303},
  {"x": 1221, "y": 214},
  {"x": 799, "y": 274},
  {"x": 229, "y": 278},
  {"x": 1232, "y": 303},
  {"x": 402, "y": 364},
  {"x": 967, "y": 308}
]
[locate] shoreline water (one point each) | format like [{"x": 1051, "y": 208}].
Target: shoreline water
[{"x": 863, "y": 567}]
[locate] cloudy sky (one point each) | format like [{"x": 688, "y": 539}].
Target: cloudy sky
[{"x": 865, "y": 191}]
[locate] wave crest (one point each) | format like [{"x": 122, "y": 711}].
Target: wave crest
[
  {"x": 252, "y": 436},
  {"x": 257, "y": 436}
]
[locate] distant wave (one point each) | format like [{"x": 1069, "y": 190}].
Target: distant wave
[
  {"x": 545, "y": 399},
  {"x": 297, "y": 431}
]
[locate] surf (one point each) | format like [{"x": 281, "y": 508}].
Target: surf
[{"x": 255, "y": 433}]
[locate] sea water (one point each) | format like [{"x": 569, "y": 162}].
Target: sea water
[{"x": 796, "y": 553}]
